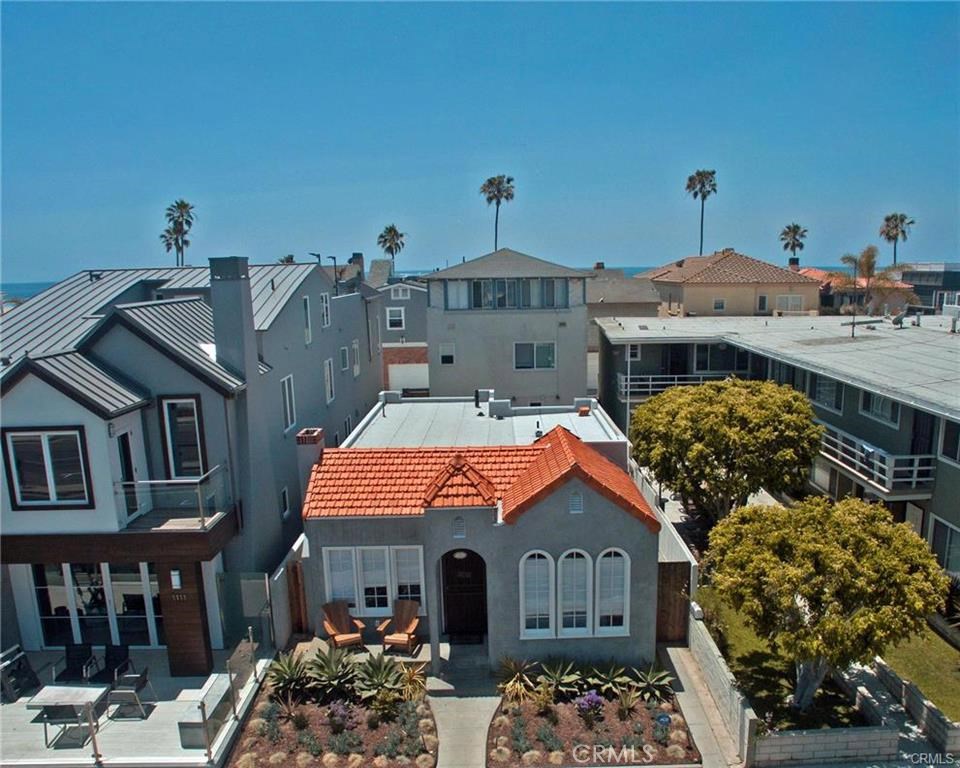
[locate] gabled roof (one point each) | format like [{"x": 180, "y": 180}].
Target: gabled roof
[
  {"x": 375, "y": 482},
  {"x": 726, "y": 266},
  {"x": 506, "y": 263},
  {"x": 839, "y": 281},
  {"x": 80, "y": 378}
]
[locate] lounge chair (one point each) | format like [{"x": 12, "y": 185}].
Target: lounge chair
[
  {"x": 404, "y": 621},
  {"x": 79, "y": 663},
  {"x": 343, "y": 629},
  {"x": 127, "y": 689},
  {"x": 116, "y": 662}
]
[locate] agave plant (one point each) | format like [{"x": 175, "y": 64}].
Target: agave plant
[
  {"x": 562, "y": 676},
  {"x": 654, "y": 684},
  {"x": 516, "y": 679},
  {"x": 289, "y": 679},
  {"x": 379, "y": 673},
  {"x": 333, "y": 673},
  {"x": 607, "y": 681},
  {"x": 414, "y": 682},
  {"x": 628, "y": 696}
]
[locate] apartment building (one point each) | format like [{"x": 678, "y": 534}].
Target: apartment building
[
  {"x": 727, "y": 283},
  {"x": 149, "y": 444},
  {"x": 887, "y": 396},
  {"x": 509, "y": 322},
  {"x": 936, "y": 283}
]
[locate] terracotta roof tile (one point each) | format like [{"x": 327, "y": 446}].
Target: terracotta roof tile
[{"x": 725, "y": 266}]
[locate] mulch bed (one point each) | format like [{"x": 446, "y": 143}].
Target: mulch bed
[
  {"x": 259, "y": 744},
  {"x": 608, "y": 731}
]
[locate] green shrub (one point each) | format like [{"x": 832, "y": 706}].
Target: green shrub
[
  {"x": 521, "y": 743},
  {"x": 661, "y": 733},
  {"x": 332, "y": 674},
  {"x": 548, "y": 737},
  {"x": 654, "y": 684},
  {"x": 300, "y": 720},
  {"x": 373, "y": 721},
  {"x": 271, "y": 730},
  {"x": 345, "y": 743},
  {"x": 310, "y": 743},
  {"x": 390, "y": 746},
  {"x": 289, "y": 678},
  {"x": 628, "y": 696},
  {"x": 270, "y": 711},
  {"x": 607, "y": 680},
  {"x": 379, "y": 673},
  {"x": 562, "y": 676}
]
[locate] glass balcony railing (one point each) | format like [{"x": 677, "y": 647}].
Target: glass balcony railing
[{"x": 187, "y": 503}]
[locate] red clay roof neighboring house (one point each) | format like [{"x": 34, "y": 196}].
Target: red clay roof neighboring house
[
  {"x": 375, "y": 482},
  {"x": 726, "y": 266},
  {"x": 841, "y": 281}
]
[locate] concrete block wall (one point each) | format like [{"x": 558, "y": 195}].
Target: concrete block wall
[
  {"x": 942, "y": 732},
  {"x": 827, "y": 745}
]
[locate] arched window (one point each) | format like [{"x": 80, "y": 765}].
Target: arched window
[
  {"x": 536, "y": 595},
  {"x": 613, "y": 593},
  {"x": 575, "y": 502},
  {"x": 576, "y": 587}
]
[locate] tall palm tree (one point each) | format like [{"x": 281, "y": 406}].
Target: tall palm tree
[
  {"x": 701, "y": 184},
  {"x": 863, "y": 267},
  {"x": 391, "y": 241},
  {"x": 179, "y": 215},
  {"x": 792, "y": 237},
  {"x": 497, "y": 190},
  {"x": 896, "y": 227}
]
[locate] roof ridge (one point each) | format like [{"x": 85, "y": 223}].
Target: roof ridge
[{"x": 161, "y": 302}]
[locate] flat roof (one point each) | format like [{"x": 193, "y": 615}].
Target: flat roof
[
  {"x": 424, "y": 422},
  {"x": 919, "y": 366}
]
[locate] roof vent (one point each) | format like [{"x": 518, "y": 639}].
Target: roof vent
[
  {"x": 679, "y": 263},
  {"x": 94, "y": 276}
]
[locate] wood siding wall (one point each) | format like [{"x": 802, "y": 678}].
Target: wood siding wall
[{"x": 673, "y": 602}]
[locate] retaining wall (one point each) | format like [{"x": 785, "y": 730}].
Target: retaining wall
[
  {"x": 943, "y": 733},
  {"x": 826, "y": 745}
]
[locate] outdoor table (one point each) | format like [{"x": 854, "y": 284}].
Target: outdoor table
[{"x": 54, "y": 700}]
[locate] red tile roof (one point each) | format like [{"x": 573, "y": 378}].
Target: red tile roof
[
  {"x": 726, "y": 266},
  {"x": 841, "y": 281},
  {"x": 375, "y": 482}
]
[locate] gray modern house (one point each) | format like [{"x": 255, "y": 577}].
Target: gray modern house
[
  {"x": 887, "y": 395},
  {"x": 149, "y": 444},
  {"x": 509, "y": 322},
  {"x": 515, "y": 526}
]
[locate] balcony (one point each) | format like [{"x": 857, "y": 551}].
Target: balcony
[
  {"x": 189, "y": 504},
  {"x": 647, "y": 386},
  {"x": 884, "y": 473}
]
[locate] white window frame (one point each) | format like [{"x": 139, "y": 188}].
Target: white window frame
[
  {"x": 355, "y": 347},
  {"x": 723, "y": 305},
  {"x": 575, "y": 503},
  {"x": 284, "y": 503},
  {"x": 403, "y": 319},
  {"x": 550, "y": 631},
  {"x": 289, "y": 403},
  {"x": 361, "y": 584},
  {"x": 327, "y": 582},
  {"x": 789, "y": 302},
  {"x": 448, "y": 349},
  {"x": 952, "y": 530},
  {"x": 400, "y": 292},
  {"x": 324, "y": 310},
  {"x": 877, "y": 417},
  {"x": 344, "y": 359},
  {"x": 612, "y": 631},
  {"x": 634, "y": 351},
  {"x": 812, "y": 393},
  {"x": 52, "y": 501},
  {"x": 168, "y": 443},
  {"x": 395, "y": 585},
  {"x": 586, "y": 631},
  {"x": 943, "y": 439},
  {"x": 307, "y": 321},
  {"x": 329, "y": 387},
  {"x": 535, "y": 344}
]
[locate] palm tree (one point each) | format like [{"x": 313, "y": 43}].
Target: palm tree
[
  {"x": 863, "y": 267},
  {"x": 792, "y": 237},
  {"x": 497, "y": 189},
  {"x": 391, "y": 240},
  {"x": 701, "y": 184},
  {"x": 896, "y": 227},
  {"x": 179, "y": 216}
]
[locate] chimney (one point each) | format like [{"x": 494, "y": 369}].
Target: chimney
[
  {"x": 234, "y": 332},
  {"x": 599, "y": 266},
  {"x": 310, "y": 445},
  {"x": 794, "y": 263},
  {"x": 357, "y": 258}
]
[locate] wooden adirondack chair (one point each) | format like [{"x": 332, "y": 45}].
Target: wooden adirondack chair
[
  {"x": 405, "y": 621},
  {"x": 343, "y": 629}
]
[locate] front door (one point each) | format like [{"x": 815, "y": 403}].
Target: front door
[
  {"x": 922, "y": 442},
  {"x": 464, "y": 596},
  {"x": 126, "y": 473}
]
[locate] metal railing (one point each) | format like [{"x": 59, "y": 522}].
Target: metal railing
[
  {"x": 193, "y": 498},
  {"x": 885, "y": 471},
  {"x": 647, "y": 386}
]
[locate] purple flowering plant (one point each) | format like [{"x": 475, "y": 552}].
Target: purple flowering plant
[{"x": 589, "y": 707}]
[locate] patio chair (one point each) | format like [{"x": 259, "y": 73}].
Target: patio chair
[
  {"x": 404, "y": 621},
  {"x": 116, "y": 662},
  {"x": 79, "y": 663},
  {"x": 127, "y": 690},
  {"x": 343, "y": 629}
]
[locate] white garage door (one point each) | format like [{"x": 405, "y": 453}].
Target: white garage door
[{"x": 409, "y": 375}]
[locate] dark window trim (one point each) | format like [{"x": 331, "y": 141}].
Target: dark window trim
[
  {"x": 84, "y": 460},
  {"x": 163, "y": 432}
]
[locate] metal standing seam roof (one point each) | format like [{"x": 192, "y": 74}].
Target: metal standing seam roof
[
  {"x": 506, "y": 262},
  {"x": 82, "y": 379}
]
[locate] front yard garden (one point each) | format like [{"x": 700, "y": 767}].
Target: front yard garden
[
  {"x": 335, "y": 711},
  {"x": 559, "y": 713}
]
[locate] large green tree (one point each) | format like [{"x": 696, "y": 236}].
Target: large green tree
[
  {"x": 718, "y": 442},
  {"x": 497, "y": 190},
  {"x": 896, "y": 227},
  {"x": 700, "y": 185},
  {"x": 826, "y": 583}
]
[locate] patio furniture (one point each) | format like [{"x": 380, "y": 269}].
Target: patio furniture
[
  {"x": 16, "y": 674},
  {"x": 404, "y": 621},
  {"x": 116, "y": 662},
  {"x": 67, "y": 705},
  {"x": 79, "y": 663},
  {"x": 127, "y": 688},
  {"x": 343, "y": 629}
]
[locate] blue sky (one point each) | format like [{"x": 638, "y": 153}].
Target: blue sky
[{"x": 308, "y": 127}]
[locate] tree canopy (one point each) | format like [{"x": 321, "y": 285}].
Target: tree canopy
[
  {"x": 718, "y": 442},
  {"x": 827, "y": 583}
]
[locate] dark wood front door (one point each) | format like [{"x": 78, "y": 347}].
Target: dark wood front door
[{"x": 464, "y": 596}]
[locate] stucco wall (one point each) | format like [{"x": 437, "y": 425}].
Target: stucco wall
[
  {"x": 415, "y": 316},
  {"x": 740, "y": 298}
]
